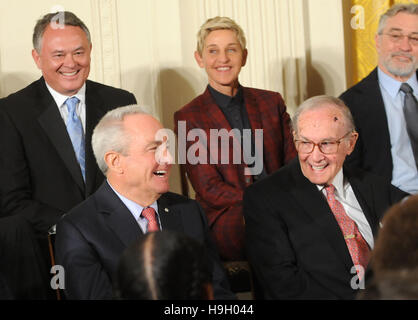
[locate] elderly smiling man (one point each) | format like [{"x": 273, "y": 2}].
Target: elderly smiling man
[{"x": 311, "y": 222}]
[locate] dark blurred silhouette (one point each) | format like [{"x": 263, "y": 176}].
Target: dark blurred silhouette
[
  {"x": 164, "y": 265},
  {"x": 394, "y": 262},
  {"x": 396, "y": 247}
]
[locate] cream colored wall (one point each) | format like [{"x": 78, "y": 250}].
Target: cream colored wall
[
  {"x": 325, "y": 52},
  {"x": 295, "y": 47}
]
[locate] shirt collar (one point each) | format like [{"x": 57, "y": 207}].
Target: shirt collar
[
  {"x": 223, "y": 100},
  {"x": 133, "y": 207},
  {"x": 392, "y": 86},
  {"x": 338, "y": 183},
  {"x": 60, "y": 98}
]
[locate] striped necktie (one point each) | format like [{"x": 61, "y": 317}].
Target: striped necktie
[{"x": 150, "y": 214}]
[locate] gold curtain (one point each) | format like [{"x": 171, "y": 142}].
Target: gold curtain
[
  {"x": 363, "y": 51},
  {"x": 362, "y": 23}
]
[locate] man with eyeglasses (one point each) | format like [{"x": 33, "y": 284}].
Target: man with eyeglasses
[
  {"x": 384, "y": 104},
  {"x": 310, "y": 226}
]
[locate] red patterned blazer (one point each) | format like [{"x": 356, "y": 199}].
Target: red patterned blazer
[{"x": 219, "y": 187}]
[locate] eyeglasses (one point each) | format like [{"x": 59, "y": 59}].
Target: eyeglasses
[
  {"x": 326, "y": 147},
  {"x": 398, "y": 37}
]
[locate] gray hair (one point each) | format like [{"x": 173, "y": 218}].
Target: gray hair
[
  {"x": 109, "y": 134},
  {"x": 318, "y": 102},
  {"x": 410, "y": 8},
  {"x": 66, "y": 18}
]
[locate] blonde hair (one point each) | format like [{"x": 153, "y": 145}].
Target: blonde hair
[{"x": 219, "y": 23}]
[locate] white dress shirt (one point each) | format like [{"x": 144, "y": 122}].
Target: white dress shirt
[
  {"x": 345, "y": 194},
  {"x": 62, "y": 107}
]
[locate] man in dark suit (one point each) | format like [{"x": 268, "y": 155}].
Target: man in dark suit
[
  {"x": 231, "y": 109},
  {"x": 310, "y": 226},
  {"x": 47, "y": 164},
  {"x": 377, "y": 103},
  {"x": 133, "y": 201}
]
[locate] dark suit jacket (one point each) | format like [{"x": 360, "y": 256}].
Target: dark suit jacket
[
  {"x": 219, "y": 187},
  {"x": 40, "y": 178},
  {"x": 5, "y": 293},
  {"x": 294, "y": 242},
  {"x": 92, "y": 237},
  {"x": 373, "y": 148}
]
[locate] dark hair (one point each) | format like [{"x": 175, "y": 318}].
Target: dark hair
[
  {"x": 392, "y": 285},
  {"x": 163, "y": 265},
  {"x": 66, "y": 18},
  {"x": 396, "y": 246}
]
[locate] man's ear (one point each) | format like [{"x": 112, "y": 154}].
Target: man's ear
[
  {"x": 377, "y": 42},
  {"x": 113, "y": 161},
  {"x": 199, "y": 59},
  {"x": 37, "y": 58},
  {"x": 352, "y": 141}
]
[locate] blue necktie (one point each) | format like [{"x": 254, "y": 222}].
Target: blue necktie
[{"x": 76, "y": 133}]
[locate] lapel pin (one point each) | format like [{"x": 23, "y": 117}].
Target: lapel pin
[{"x": 166, "y": 209}]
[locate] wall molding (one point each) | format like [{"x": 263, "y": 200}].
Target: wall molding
[{"x": 105, "y": 42}]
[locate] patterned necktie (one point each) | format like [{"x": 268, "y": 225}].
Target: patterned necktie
[
  {"x": 357, "y": 246},
  {"x": 150, "y": 214},
  {"x": 410, "y": 110},
  {"x": 76, "y": 133}
]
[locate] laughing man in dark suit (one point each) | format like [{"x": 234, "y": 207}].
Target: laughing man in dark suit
[
  {"x": 133, "y": 201},
  {"x": 44, "y": 171},
  {"x": 309, "y": 223}
]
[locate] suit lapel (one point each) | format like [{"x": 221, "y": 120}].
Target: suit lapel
[
  {"x": 170, "y": 216},
  {"x": 95, "y": 110},
  {"x": 117, "y": 216},
  {"x": 374, "y": 108},
  {"x": 211, "y": 109},
  {"x": 54, "y": 127},
  {"x": 253, "y": 110},
  {"x": 121, "y": 221},
  {"x": 219, "y": 121},
  {"x": 217, "y": 116},
  {"x": 316, "y": 206},
  {"x": 252, "y": 107}
]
